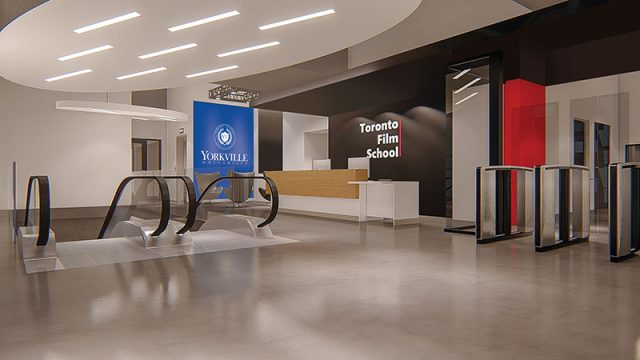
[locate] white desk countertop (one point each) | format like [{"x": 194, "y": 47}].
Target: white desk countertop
[{"x": 371, "y": 182}]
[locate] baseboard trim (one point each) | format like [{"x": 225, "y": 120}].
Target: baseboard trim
[
  {"x": 409, "y": 221},
  {"x": 319, "y": 214}
]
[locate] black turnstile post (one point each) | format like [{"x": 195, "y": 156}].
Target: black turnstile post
[
  {"x": 624, "y": 211},
  {"x": 503, "y": 202},
  {"x": 635, "y": 208},
  {"x": 565, "y": 207}
]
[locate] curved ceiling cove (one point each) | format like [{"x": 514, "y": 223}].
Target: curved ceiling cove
[{"x": 122, "y": 45}]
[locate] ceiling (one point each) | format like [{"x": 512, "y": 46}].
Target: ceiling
[
  {"x": 271, "y": 82},
  {"x": 31, "y": 45},
  {"x": 432, "y": 20},
  {"x": 11, "y": 9}
]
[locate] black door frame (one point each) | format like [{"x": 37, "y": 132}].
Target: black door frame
[{"x": 144, "y": 143}]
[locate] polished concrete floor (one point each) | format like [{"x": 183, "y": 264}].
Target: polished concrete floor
[{"x": 346, "y": 291}]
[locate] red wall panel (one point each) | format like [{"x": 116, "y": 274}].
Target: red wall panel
[{"x": 523, "y": 128}]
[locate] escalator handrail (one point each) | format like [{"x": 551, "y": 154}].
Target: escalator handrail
[
  {"x": 193, "y": 203},
  {"x": 275, "y": 200},
  {"x": 44, "y": 208},
  {"x": 164, "y": 195}
]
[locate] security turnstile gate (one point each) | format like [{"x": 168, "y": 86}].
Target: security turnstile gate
[
  {"x": 624, "y": 210},
  {"x": 561, "y": 206},
  {"x": 495, "y": 186}
]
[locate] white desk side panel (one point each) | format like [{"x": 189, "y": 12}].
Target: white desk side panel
[
  {"x": 380, "y": 199},
  {"x": 406, "y": 200}
]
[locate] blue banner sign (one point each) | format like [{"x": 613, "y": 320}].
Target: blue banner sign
[{"x": 222, "y": 139}]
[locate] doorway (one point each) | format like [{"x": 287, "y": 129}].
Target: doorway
[
  {"x": 579, "y": 142},
  {"x": 632, "y": 153},
  {"x": 146, "y": 154},
  {"x": 181, "y": 154},
  {"x": 469, "y": 93}
]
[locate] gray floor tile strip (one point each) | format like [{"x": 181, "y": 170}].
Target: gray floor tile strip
[{"x": 87, "y": 253}]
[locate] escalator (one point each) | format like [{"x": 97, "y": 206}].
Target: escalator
[
  {"x": 157, "y": 206},
  {"x": 37, "y": 217},
  {"x": 238, "y": 190},
  {"x": 147, "y": 212},
  {"x": 37, "y": 240}
]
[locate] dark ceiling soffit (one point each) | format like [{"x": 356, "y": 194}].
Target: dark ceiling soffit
[
  {"x": 507, "y": 27},
  {"x": 399, "y": 59},
  {"x": 13, "y": 9}
]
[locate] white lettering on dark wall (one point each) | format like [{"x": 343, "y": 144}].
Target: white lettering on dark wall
[
  {"x": 389, "y": 125},
  {"x": 384, "y": 138}
]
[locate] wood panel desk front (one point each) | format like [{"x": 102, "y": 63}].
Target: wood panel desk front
[{"x": 319, "y": 183}]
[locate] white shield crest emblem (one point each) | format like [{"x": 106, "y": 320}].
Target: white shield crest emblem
[{"x": 225, "y": 137}]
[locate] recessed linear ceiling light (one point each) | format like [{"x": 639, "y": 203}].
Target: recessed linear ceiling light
[
  {"x": 297, "y": 19},
  {"x": 108, "y": 22},
  {"x": 251, "y": 48},
  {"x": 461, "y": 74},
  {"x": 204, "y": 21},
  {"x": 168, "y": 51},
  {"x": 146, "y": 72},
  {"x": 212, "y": 71},
  {"x": 85, "y": 53},
  {"x": 467, "y": 98},
  {"x": 76, "y": 73},
  {"x": 466, "y": 86}
]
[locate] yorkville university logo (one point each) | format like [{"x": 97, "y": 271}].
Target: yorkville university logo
[{"x": 224, "y": 136}]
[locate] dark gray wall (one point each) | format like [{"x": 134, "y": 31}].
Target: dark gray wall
[
  {"x": 12, "y": 9},
  {"x": 150, "y": 98},
  {"x": 423, "y": 148},
  {"x": 415, "y": 94},
  {"x": 269, "y": 140}
]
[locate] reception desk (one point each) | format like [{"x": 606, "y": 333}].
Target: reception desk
[
  {"x": 319, "y": 183},
  {"x": 345, "y": 194},
  {"x": 393, "y": 200}
]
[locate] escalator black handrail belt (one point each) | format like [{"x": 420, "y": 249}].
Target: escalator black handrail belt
[
  {"x": 44, "y": 208},
  {"x": 275, "y": 200},
  {"x": 164, "y": 196},
  {"x": 193, "y": 203}
]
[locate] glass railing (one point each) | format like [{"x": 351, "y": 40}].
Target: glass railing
[
  {"x": 142, "y": 198},
  {"x": 239, "y": 196},
  {"x": 183, "y": 202},
  {"x": 153, "y": 201},
  {"x": 231, "y": 193}
]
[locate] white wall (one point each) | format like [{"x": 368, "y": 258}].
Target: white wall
[
  {"x": 629, "y": 104},
  {"x": 470, "y": 133},
  {"x": 148, "y": 129},
  {"x": 316, "y": 146},
  {"x": 181, "y": 99},
  {"x": 585, "y": 99},
  {"x": 294, "y": 127},
  {"x": 552, "y": 127},
  {"x": 594, "y": 100},
  {"x": 85, "y": 155}
]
